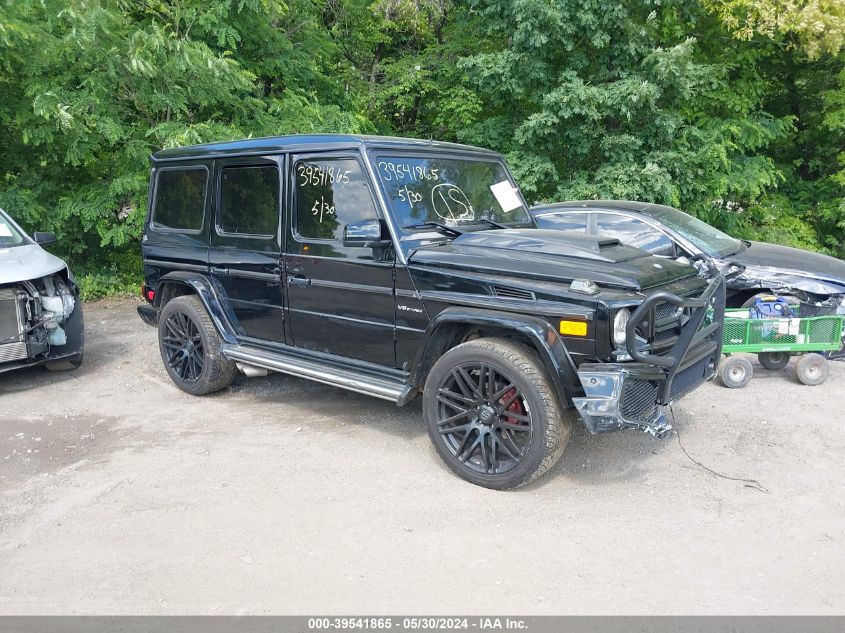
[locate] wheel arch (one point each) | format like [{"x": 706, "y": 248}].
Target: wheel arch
[
  {"x": 738, "y": 298},
  {"x": 456, "y": 325},
  {"x": 180, "y": 283}
]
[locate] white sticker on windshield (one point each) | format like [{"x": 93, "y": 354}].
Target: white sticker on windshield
[
  {"x": 506, "y": 195},
  {"x": 5, "y": 231}
]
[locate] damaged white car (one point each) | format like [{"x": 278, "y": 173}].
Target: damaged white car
[{"x": 40, "y": 311}]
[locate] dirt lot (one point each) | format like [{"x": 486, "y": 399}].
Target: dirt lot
[{"x": 121, "y": 494}]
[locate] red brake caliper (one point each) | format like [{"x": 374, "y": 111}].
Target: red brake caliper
[{"x": 514, "y": 407}]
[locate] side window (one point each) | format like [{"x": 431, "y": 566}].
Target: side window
[
  {"x": 563, "y": 221},
  {"x": 634, "y": 232},
  {"x": 330, "y": 193},
  {"x": 180, "y": 198},
  {"x": 249, "y": 200}
]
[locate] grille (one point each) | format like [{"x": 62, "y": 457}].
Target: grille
[
  {"x": 688, "y": 379},
  {"x": 12, "y": 351},
  {"x": 639, "y": 400},
  {"x": 662, "y": 332},
  {"x": 664, "y": 311},
  {"x": 11, "y": 322},
  {"x": 513, "y": 293},
  {"x": 665, "y": 335}
]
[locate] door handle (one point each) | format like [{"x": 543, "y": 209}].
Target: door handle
[
  {"x": 219, "y": 271},
  {"x": 299, "y": 281}
]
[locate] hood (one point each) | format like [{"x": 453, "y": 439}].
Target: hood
[
  {"x": 792, "y": 268},
  {"x": 554, "y": 256},
  {"x": 28, "y": 261}
]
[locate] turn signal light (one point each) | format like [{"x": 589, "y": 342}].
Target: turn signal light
[{"x": 573, "y": 328}]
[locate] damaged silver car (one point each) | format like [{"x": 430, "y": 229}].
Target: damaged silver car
[
  {"x": 815, "y": 281},
  {"x": 41, "y": 319}
]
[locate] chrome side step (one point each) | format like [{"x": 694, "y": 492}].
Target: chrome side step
[{"x": 326, "y": 373}]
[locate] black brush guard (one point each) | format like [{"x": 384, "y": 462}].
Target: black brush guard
[{"x": 633, "y": 394}]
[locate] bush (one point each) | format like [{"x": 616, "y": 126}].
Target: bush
[{"x": 99, "y": 284}]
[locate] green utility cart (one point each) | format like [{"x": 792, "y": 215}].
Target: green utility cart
[{"x": 774, "y": 340}]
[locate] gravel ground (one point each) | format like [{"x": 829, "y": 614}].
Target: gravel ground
[{"x": 120, "y": 494}]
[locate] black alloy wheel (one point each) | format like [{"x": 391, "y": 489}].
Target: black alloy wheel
[
  {"x": 183, "y": 347},
  {"x": 493, "y": 415},
  {"x": 484, "y": 418},
  {"x": 191, "y": 347}
]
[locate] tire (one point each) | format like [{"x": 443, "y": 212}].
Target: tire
[
  {"x": 812, "y": 369},
  {"x": 735, "y": 372},
  {"x": 501, "y": 436},
  {"x": 774, "y": 360},
  {"x": 65, "y": 364},
  {"x": 190, "y": 347}
]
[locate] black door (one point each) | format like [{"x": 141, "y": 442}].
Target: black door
[
  {"x": 340, "y": 299},
  {"x": 179, "y": 218},
  {"x": 245, "y": 253}
]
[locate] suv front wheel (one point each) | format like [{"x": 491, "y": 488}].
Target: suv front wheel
[
  {"x": 493, "y": 415},
  {"x": 190, "y": 347}
]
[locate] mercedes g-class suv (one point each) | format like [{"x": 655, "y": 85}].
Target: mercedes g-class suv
[{"x": 396, "y": 267}]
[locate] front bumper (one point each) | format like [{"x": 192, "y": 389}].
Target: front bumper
[
  {"x": 74, "y": 327},
  {"x": 633, "y": 395}
]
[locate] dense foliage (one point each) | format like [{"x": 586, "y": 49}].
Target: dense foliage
[{"x": 730, "y": 109}]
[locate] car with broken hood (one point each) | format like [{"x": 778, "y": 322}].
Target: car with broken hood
[
  {"x": 402, "y": 268},
  {"x": 41, "y": 320},
  {"x": 798, "y": 275}
]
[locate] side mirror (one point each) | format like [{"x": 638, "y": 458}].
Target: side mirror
[
  {"x": 365, "y": 234},
  {"x": 42, "y": 238}
]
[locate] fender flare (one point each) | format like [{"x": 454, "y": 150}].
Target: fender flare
[
  {"x": 209, "y": 293},
  {"x": 545, "y": 340}
]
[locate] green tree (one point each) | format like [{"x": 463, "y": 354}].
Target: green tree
[
  {"x": 815, "y": 26},
  {"x": 731, "y": 109},
  {"x": 90, "y": 89}
]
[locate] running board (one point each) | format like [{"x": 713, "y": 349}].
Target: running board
[{"x": 326, "y": 373}]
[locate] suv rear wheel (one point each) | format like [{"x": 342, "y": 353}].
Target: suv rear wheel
[
  {"x": 493, "y": 415},
  {"x": 190, "y": 347}
]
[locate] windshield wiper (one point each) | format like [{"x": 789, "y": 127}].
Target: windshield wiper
[
  {"x": 442, "y": 228},
  {"x": 495, "y": 225}
]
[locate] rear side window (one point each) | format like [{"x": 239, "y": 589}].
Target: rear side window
[
  {"x": 563, "y": 221},
  {"x": 329, "y": 195},
  {"x": 249, "y": 200},
  {"x": 180, "y": 199}
]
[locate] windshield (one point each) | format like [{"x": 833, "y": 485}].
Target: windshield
[
  {"x": 10, "y": 235},
  {"x": 710, "y": 240},
  {"x": 454, "y": 192}
]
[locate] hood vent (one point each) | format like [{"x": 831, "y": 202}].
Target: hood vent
[{"x": 513, "y": 293}]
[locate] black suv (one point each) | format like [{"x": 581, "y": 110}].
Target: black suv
[{"x": 397, "y": 267}]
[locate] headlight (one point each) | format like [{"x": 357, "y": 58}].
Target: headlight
[{"x": 620, "y": 322}]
